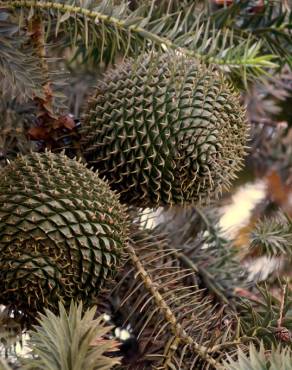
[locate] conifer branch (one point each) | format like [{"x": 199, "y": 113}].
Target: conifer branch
[
  {"x": 47, "y": 118},
  {"x": 284, "y": 290},
  {"x": 36, "y": 32},
  {"x": 242, "y": 59},
  {"x": 176, "y": 327}
]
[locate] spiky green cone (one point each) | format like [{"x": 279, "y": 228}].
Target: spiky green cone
[
  {"x": 165, "y": 130},
  {"x": 62, "y": 231}
]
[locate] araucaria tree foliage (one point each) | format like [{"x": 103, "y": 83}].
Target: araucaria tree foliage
[{"x": 123, "y": 127}]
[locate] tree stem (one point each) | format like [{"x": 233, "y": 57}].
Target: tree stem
[{"x": 36, "y": 32}]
